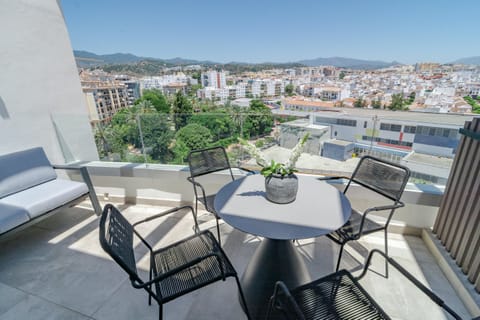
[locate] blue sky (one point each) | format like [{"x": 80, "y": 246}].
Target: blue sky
[{"x": 407, "y": 31}]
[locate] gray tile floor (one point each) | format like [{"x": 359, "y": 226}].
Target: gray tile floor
[{"x": 57, "y": 270}]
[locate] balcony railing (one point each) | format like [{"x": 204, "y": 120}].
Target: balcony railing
[{"x": 168, "y": 138}]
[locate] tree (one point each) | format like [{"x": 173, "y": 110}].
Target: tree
[
  {"x": 157, "y": 135},
  {"x": 123, "y": 132},
  {"x": 360, "y": 103},
  {"x": 411, "y": 98},
  {"x": 156, "y": 98},
  {"x": 182, "y": 110},
  {"x": 376, "y": 104},
  {"x": 474, "y": 103},
  {"x": 398, "y": 102},
  {"x": 219, "y": 123},
  {"x": 259, "y": 120},
  {"x": 341, "y": 75},
  {"x": 289, "y": 89},
  {"x": 192, "y": 136},
  {"x": 192, "y": 90}
]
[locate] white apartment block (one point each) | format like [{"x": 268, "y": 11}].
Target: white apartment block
[
  {"x": 216, "y": 79},
  {"x": 241, "y": 90},
  {"x": 325, "y": 92},
  {"x": 161, "y": 81},
  {"x": 473, "y": 89},
  {"x": 256, "y": 88}
]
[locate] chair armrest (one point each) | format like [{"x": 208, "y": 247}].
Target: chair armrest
[
  {"x": 382, "y": 208},
  {"x": 162, "y": 214},
  {"x": 379, "y": 208},
  {"x": 332, "y": 178},
  {"x": 412, "y": 279},
  {"x": 156, "y": 216},
  {"x": 86, "y": 178},
  {"x": 204, "y": 194},
  {"x": 281, "y": 288}
]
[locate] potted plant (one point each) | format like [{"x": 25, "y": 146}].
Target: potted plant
[{"x": 281, "y": 183}]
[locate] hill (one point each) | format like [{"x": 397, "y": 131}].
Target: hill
[
  {"x": 86, "y": 59},
  {"x": 348, "y": 63},
  {"x": 126, "y": 62},
  {"x": 468, "y": 60}
]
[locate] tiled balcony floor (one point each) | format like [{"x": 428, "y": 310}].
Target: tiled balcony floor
[{"x": 57, "y": 270}]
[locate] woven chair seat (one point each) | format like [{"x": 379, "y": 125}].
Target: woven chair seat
[
  {"x": 336, "y": 296},
  {"x": 209, "y": 204},
  {"x": 351, "y": 230},
  {"x": 204, "y": 272}
]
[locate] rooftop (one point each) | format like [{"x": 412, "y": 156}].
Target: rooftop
[
  {"x": 57, "y": 270},
  {"x": 404, "y": 116}
]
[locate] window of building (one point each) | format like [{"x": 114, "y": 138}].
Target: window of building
[
  {"x": 409, "y": 129},
  {"x": 390, "y": 127},
  {"x": 347, "y": 122}
]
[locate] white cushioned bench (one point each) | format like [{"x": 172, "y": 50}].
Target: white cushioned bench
[{"x": 30, "y": 189}]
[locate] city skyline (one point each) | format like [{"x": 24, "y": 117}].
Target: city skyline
[{"x": 268, "y": 31}]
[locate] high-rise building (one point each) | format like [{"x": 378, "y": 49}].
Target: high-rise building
[{"x": 214, "y": 79}]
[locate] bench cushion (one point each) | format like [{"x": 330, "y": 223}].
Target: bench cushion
[
  {"x": 11, "y": 217},
  {"x": 24, "y": 169},
  {"x": 43, "y": 198}
]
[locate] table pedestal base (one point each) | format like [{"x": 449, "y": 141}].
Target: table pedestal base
[{"x": 273, "y": 260}]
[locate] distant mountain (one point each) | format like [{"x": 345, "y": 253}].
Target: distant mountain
[
  {"x": 468, "y": 60},
  {"x": 88, "y": 59},
  {"x": 126, "y": 60},
  {"x": 348, "y": 63}
]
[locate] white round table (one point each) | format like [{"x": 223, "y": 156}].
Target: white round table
[{"x": 318, "y": 210}]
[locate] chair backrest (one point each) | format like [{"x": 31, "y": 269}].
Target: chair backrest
[
  {"x": 384, "y": 177},
  {"x": 208, "y": 160},
  {"x": 116, "y": 238}
]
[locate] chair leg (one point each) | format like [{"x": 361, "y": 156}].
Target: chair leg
[
  {"x": 197, "y": 228},
  {"x": 386, "y": 253},
  {"x": 160, "y": 311},
  {"x": 218, "y": 233},
  {"x": 150, "y": 286},
  {"x": 244, "y": 302},
  {"x": 339, "y": 256}
]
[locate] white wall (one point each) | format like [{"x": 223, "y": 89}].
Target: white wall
[{"x": 41, "y": 100}]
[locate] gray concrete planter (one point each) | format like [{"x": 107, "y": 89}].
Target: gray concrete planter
[{"x": 281, "y": 189}]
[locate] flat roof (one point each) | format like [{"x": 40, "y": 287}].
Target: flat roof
[
  {"x": 339, "y": 142},
  {"x": 436, "y": 161},
  {"x": 456, "y": 119}
]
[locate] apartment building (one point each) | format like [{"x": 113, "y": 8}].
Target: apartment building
[
  {"x": 104, "y": 99},
  {"x": 326, "y": 92},
  {"x": 165, "y": 81},
  {"x": 133, "y": 91},
  {"x": 432, "y": 134},
  {"x": 215, "y": 79},
  {"x": 426, "y": 143}
]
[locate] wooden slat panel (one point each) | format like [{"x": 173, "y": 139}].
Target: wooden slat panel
[
  {"x": 477, "y": 285},
  {"x": 452, "y": 185},
  {"x": 467, "y": 249},
  {"x": 474, "y": 269},
  {"x": 466, "y": 194},
  {"x": 458, "y": 220},
  {"x": 472, "y": 251}
]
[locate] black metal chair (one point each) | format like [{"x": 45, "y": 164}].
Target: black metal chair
[
  {"x": 201, "y": 163},
  {"x": 337, "y": 296},
  {"x": 175, "y": 270},
  {"x": 384, "y": 178}
]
